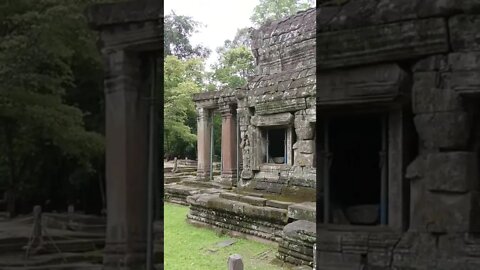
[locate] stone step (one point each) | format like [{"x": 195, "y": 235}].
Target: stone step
[
  {"x": 203, "y": 184},
  {"x": 303, "y": 211},
  {"x": 255, "y": 200}
]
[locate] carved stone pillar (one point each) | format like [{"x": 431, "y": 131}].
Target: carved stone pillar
[
  {"x": 130, "y": 34},
  {"x": 204, "y": 129},
  {"x": 229, "y": 145},
  {"x": 126, "y": 162}
]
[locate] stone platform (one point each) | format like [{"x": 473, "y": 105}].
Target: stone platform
[
  {"x": 178, "y": 192},
  {"x": 296, "y": 245},
  {"x": 288, "y": 223}
]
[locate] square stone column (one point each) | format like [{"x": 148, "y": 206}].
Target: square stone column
[
  {"x": 126, "y": 162},
  {"x": 130, "y": 34},
  {"x": 229, "y": 145},
  {"x": 204, "y": 129}
]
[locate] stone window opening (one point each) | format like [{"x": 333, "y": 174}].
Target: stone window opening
[
  {"x": 276, "y": 144},
  {"x": 355, "y": 148}
]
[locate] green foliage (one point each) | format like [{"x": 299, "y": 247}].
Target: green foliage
[
  {"x": 182, "y": 79},
  {"x": 50, "y": 79},
  {"x": 234, "y": 66},
  {"x": 178, "y": 29},
  {"x": 269, "y": 10}
]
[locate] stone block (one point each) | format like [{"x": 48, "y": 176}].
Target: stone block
[
  {"x": 220, "y": 204},
  {"x": 464, "y": 61},
  {"x": 301, "y": 159},
  {"x": 444, "y": 130},
  {"x": 429, "y": 96},
  {"x": 340, "y": 261},
  {"x": 464, "y": 82},
  {"x": 274, "y": 214},
  {"x": 305, "y": 133},
  {"x": 431, "y": 63},
  {"x": 278, "y": 204},
  {"x": 264, "y": 107},
  {"x": 253, "y": 200},
  {"x": 464, "y": 34},
  {"x": 447, "y": 213},
  {"x": 328, "y": 241},
  {"x": 304, "y": 146},
  {"x": 452, "y": 171},
  {"x": 416, "y": 169},
  {"x": 302, "y": 176},
  {"x": 446, "y": 7},
  {"x": 303, "y": 211},
  {"x": 299, "y": 228},
  {"x": 386, "y": 42},
  {"x": 359, "y": 85},
  {"x": 281, "y": 119},
  {"x": 230, "y": 196}
]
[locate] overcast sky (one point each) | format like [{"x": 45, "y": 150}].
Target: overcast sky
[{"x": 221, "y": 18}]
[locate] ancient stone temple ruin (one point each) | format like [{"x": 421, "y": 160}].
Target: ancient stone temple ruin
[
  {"x": 398, "y": 135},
  {"x": 387, "y": 118},
  {"x": 267, "y": 182}
]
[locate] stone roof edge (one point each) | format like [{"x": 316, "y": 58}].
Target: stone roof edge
[{"x": 214, "y": 94}]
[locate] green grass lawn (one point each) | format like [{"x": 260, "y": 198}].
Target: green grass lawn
[{"x": 188, "y": 247}]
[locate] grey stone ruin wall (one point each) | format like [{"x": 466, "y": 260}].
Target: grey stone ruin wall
[
  {"x": 434, "y": 45},
  {"x": 282, "y": 92}
]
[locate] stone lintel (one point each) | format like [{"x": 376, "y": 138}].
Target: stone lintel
[
  {"x": 389, "y": 42},
  {"x": 280, "y": 119},
  {"x": 361, "y": 85},
  {"x": 266, "y": 107}
]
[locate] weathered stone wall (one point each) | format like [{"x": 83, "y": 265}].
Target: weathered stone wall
[
  {"x": 282, "y": 93},
  {"x": 434, "y": 50}
]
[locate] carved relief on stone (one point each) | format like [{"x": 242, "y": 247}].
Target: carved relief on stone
[
  {"x": 246, "y": 156},
  {"x": 202, "y": 114}
]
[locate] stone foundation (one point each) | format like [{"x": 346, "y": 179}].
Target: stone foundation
[
  {"x": 245, "y": 214},
  {"x": 178, "y": 192},
  {"x": 296, "y": 245}
]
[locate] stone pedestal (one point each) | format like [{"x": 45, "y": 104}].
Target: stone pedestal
[
  {"x": 229, "y": 145},
  {"x": 204, "y": 129}
]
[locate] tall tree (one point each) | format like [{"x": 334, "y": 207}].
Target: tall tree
[
  {"x": 269, "y": 10},
  {"x": 45, "y": 50},
  {"x": 234, "y": 66},
  {"x": 182, "y": 79},
  {"x": 177, "y": 32}
]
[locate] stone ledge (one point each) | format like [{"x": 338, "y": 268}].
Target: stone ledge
[
  {"x": 102, "y": 15},
  {"x": 303, "y": 211}
]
